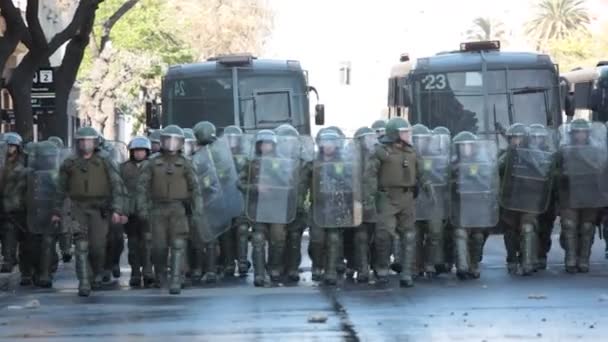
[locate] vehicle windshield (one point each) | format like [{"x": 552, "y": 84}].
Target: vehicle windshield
[
  {"x": 268, "y": 100},
  {"x": 191, "y": 100},
  {"x": 265, "y": 100},
  {"x": 456, "y": 99}
]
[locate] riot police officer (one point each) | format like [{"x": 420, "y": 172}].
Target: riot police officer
[
  {"x": 240, "y": 144},
  {"x": 379, "y": 126},
  {"x": 474, "y": 199},
  {"x": 94, "y": 186},
  {"x": 271, "y": 185},
  {"x": 295, "y": 229},
  {"x": 526, "y": 173},
  {"x": 13, "y": 187},
  {"x": 398, "y": 179},
  {"x": 581, "y": 164},
  {"x": 367, "y": 140},
  {"x": 155, "y": 141},
  {"x": 138, "y": 232},
  {"x": 431, "y": 213},
  {"x": 168, "y": 195}
]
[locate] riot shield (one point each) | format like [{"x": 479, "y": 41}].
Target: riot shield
[
  {"x": 43, "y": 167},
  {"x": 474, "y": 185},
  {"x": 272, "y": 187},
  {"x": 582, "y": 157},
  {"x": 527, "y": 180},
  {"x": 434, "y": 157},
  {"x": 118, "y": 151},
  {"x": 367, "y": 147},
  {"x": 307, "y": 148},
  {"x": 240, "y": 146},
  {"x": 336, "y": 186},
  {"x": 213, "y": 219},
  {"x": 231, "y": 196}
]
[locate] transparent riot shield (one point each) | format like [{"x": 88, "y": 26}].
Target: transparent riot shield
[
  {"x": 214, "y": 219},
  {"x": 336, "y": 185},
  {"x": 527, "y": 180},
  {"x": 367, "y": 147},
  {"x": 434, "y": 156},
  {"x": 474, "y": 185},
  {"x": 582, "y": 162},
  {"x": 3, "y": 152},
  {"x": 228, "y": 178},
  {"x": 307, "y": 148},
  {"x": 43, "y": 167},
  {"x": 118, "y": 151},
  {"x": 240, "y": 146},
  {"x": 272, "y": 187}
]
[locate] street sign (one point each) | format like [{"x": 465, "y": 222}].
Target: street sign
[{"x": 43, "y": 92}]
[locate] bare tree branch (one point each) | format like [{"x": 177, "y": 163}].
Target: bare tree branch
[
  {"x": 33, "y": 23},
  {"x": 14, "y": 22},
  {"x": 85, "y": 8},
  {"x": 113, "y": 19}
]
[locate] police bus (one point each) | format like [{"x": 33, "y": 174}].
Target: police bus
[
  {"x": 237, "y": 90},
  {"x": 483, "y": 90},
  {"x": 398, "y": 97},
  {"x": 587, "y": 92}
]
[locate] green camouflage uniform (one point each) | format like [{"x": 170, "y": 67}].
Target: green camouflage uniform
[
  {"x": 167, "y": 195},
  {"x": 96, "y": 191}
]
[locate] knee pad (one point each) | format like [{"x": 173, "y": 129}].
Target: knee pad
[
  {"x": 460, "y": 233},
  {"x": 409, "y": 236},
  {"x": 527, "y": 228},
  {"x": 568, "y": 224},
  {"x": 258, "y": 239},
  {"x": 178, "y": 244},
  {"x": 588, "y": 228}
]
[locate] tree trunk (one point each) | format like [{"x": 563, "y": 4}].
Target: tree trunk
[
  {"x": 66, "y": 77},
  {"x": 20, "y": 87}
]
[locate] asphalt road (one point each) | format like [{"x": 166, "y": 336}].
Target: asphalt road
[{"x": 549, "y": 306}]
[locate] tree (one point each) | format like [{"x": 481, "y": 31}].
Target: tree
[
  {"x": 486, "y": 29},
  {"x": 39, "y": 51},
  {"x": 156, "y": 34},
  {"x": 580, "y": 49},
  {"x": 557, "y": 19}
]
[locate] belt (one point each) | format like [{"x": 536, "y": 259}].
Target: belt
[{"x": 399, "y": 189}]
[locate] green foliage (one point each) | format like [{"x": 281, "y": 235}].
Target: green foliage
[
  {"x": 557, "y": 19},
  {"x": 580, "y": 49},
  {"x": 486, "y": 29}
]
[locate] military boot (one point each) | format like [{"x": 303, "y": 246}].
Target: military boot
[
  {"x": 82, "y": 268},
  {"x": 177, "y": 260},
  {"x": 512, "y": 247},
  {"x": 382, "y": 248},
  {"x": 276, "y": 253},
  {"x": 317, "y": 254},
  {"x": 476, "y": 253},
  {"x": 408, "y": 261},
  {"x": 528, "y": 248},
  {"x": 259, "y": 259},
  {"x": 333, "y": 253},
  {"x": 46, "y": 259},
  {"x": 461, "y": 248},
  {"x": 362, "y": 254},
  {"x": 585, "y": 243},
  {"x": 243, "y": 249},
  {"x": 569, "y": 241},
  {"x": 65, "y": 244},
  {"x": 294, "y": 255},
  {"x": 227, "y": 251},
  {"x": 210, "y": 257},
  {"x": 396, "y": 251},
  {"x": 146, "y": 256},
  {"x": 196, "y": 268}
]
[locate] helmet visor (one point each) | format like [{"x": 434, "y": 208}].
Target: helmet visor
[{"x": 171, "y": 143}]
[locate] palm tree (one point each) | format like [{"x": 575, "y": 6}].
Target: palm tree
[
  {"x": 486, "y": 29},
  {"x": 557, "y": 19}
]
